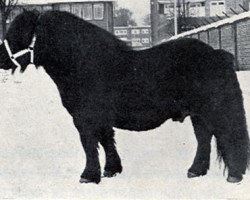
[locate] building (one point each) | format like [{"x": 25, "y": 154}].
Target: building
[
  {"x": 98, "y": 12},
  {"x": 202, "y": 8},
  {"x": 202, "y": 11},
  {"x": 139, "y": 37}
]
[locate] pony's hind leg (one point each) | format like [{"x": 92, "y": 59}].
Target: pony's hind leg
[
  {"x": 202, "y": 159},
  {"x": 113, "y": 161},
  {"x": 228, "y": 123},
  {"x": 233, "y": 142},
  {"x": 89, "y": 136}
]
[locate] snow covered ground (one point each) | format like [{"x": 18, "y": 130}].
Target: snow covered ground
[{"x": 41, "y": 155}]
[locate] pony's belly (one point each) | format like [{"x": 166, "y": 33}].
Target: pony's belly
[{"x": 140, "y": 121}]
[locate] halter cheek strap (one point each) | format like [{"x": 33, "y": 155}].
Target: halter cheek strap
[{"x": 13, "y": 57}]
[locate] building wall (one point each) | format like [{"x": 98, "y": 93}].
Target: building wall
[
  {"x": 106, "y": 22},
  {"x": 214, "y": 40},
  {"x": 234, "y": 38},
  {"x": 243, "y": 40},
  {"x": 247, "y": 4},
  {"x": 138, "y": 37},
  {"x": 166, "y": 7},
  {"x": 234, "y": 4},
  {"x": 203, "y": 36}
]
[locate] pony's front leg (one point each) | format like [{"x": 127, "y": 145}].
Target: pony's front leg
[
  {"x": 89, "y": 138},
  {"x": 202, "y": 158},
  {"x": 113, "y": 161}
]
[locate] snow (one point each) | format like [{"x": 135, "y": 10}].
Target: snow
[{"x": 41, "y": 155}]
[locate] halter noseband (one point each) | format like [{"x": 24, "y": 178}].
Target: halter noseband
[{"x": 20, "y": 53}]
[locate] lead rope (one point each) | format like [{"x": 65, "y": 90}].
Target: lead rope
[{"x": 13, "y": 57}]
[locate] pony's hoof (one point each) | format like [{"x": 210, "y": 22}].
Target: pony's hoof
[
  {"x": 192, "y": 175},
  {"x": 109, "y": 174},
  {"x": 84, "y": 180},
  {"x": 90, "y": 177},
  {"x": 232, "y": 179}
]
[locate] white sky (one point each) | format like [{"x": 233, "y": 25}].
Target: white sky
[{"x": 139, "y": 8}]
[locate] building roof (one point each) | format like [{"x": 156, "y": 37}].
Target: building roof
[
  {"x": 124, "y": 27},
  {"x": 187, "y": 1},
  {"x": 58, "y": 1}
]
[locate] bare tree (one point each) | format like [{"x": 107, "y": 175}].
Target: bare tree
[
  {"x": 147, "y": 20},
  {"x": 123, "y": 17},
  {"x": 6, "y": 6}
]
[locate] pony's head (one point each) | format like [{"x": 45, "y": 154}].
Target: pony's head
[{"x": 18, "y": 37}]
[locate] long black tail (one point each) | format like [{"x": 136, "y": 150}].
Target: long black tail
[{"x": 232, "y": 136}]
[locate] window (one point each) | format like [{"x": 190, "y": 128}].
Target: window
[
  {"x": 135, "y": 31},
  {"x": 217, "y": 8},
  {"x": 121, "y": 32},
  {"x": 161, "y": 8},
  {"x": 98, "y": 11},
  {"x": 197, "y": 10},
  {"x": 136, "y": 40},
  {"x": 145, "y": 31},
  {"x": 38, "y": 8},
  {"x": 124, "y": 39},
  {"x": 46, "y": 7},
  {"x": 77, "y": 10},
  {"x": 145, "y": 40},
  {"x": 169, "y": 9},
  {"x": 124, "y": 32},
  {"x": 64, "y": 7},
  {"x": 87, "y": 12}
]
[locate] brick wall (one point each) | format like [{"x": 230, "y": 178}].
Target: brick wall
[
  {"x": 227, "y": 38},
  {"x": 214, "y": 40},
  {"x": 203, "y": 36},
  {"x": 243, "y": 37}
]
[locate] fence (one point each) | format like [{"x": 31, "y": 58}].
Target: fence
[{"x": 231, "y": 34}]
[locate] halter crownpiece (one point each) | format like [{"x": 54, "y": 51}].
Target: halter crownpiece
[{"x": 20, "y": 53}]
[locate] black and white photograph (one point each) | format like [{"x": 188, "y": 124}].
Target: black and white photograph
[{"x": 124, "y": 99}]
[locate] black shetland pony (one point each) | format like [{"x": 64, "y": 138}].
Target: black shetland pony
[{"x": 104, "y": 84}]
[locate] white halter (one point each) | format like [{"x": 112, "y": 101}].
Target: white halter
[{"x": 20, "y": 53}]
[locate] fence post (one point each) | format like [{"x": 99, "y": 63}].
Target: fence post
[
  {"x": 234, "y": 26},
  {"x": 208, "y": 37},
  {"x": 154, "y": 20},
  {"x": 220, "y": 41}
]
